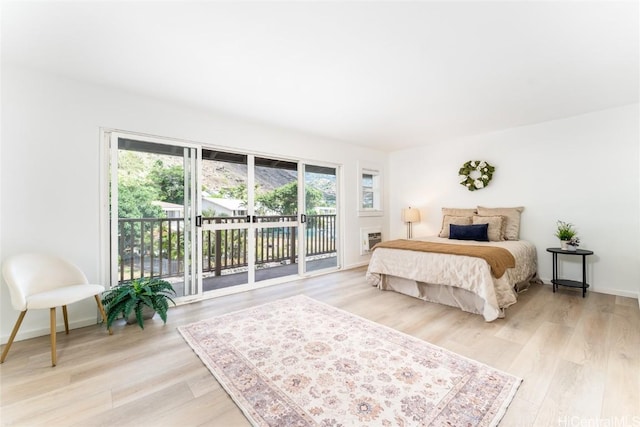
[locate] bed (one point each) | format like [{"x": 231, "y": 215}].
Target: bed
[{"x": 466, "y": 281}]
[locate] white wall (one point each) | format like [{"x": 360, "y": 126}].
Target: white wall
[
  {"x": 51, "y": 161},
  {"x": 582, "y": 169}
]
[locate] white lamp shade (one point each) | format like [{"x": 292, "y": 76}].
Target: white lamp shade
[{"x": 411, "y": 215}]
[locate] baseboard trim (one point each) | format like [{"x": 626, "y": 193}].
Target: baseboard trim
[
  {"x": 616, "y": 292},
  {"x": 356, "y": 265},
  {"x": 34, "y": 333}
]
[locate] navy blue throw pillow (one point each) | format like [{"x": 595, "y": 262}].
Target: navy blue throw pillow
[{"x": 469, "y": 232}]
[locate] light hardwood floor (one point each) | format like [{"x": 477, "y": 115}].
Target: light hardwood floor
[{"x": 580, "y": 359}]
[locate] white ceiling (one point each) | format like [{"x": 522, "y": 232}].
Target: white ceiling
[{"x": 387, "y": 75}]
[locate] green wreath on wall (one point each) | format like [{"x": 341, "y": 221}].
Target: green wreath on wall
[{"x": 476, "y": 174}]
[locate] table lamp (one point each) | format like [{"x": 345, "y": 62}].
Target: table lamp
[{"x": 410, "y": 215}]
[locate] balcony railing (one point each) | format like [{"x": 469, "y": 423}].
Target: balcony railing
[{"x": 154, "y": 247}]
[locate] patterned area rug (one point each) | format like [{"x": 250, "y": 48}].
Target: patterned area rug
[{"x": 299, "y": 362}]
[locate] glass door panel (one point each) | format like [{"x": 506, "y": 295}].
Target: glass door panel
[
  {"x": 154, "y": 203},
  {"x": 275, "y": 218},
  {"x": 225, "y": 199},
  {"x": 320, "y": 227}
]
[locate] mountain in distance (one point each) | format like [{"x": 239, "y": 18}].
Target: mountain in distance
[
  {"x": 217, "y": 175},
  {"x": 220, "y": 175}
]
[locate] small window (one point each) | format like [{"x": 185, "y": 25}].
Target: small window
[{"x": 370, "y": 192}]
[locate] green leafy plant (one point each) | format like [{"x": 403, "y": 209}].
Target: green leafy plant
[
  {"x": 132, "y": 296},
  {"x": 565, "y": 231}
]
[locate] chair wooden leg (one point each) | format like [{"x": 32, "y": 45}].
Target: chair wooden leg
[
  {"x": 102, "y": 312},
  {"x": 12, "y": 336},
  {"x": 52, "y": 312},
  {"x": 66, "y": 319}
]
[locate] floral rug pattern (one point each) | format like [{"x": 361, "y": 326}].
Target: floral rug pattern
[{"x": 300, "y": 362}]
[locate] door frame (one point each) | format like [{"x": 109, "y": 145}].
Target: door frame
[
  {"x": 302, "y": 243},
  {"x": 109, "y": 200},
  {"x": 106, "y": 270}
]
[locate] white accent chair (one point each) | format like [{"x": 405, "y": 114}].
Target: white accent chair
[{"x": 46, "y": 281}]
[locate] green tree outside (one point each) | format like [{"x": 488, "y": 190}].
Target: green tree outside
[
  {"x": 170, "y": 182},
  {"x": 284, "y": 199}
]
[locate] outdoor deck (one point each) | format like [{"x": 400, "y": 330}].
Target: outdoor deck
[{"x": 233, "y": 279}]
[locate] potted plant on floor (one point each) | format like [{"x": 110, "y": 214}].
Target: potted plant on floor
[
  {"x": 138, "y": 299},
  {"x": 565, "y": 232}
]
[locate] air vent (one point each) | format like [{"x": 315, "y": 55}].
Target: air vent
[{"x": 369, "y": 237}]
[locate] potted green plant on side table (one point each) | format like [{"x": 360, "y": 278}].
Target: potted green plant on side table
[
  {"x": 565, "y": 232},
  {"x": 133, "y": 298}
]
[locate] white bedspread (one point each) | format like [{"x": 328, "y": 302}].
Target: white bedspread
[{"x": 469, "y": 273}]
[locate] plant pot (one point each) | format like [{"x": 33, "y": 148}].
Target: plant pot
[
  {"x": 572, "y": 248},
  {"x": 564, "y": 244},
  {"x": 147, "y": 313}
]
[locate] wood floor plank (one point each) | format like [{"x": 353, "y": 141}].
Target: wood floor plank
[
  {"x": 201, "y": 384},
  {"x": 525, "y": 316},
  {"x": 51, "y": 410},
  {"x": 169, "y": 375},
  {"x": 537, "y": 362},
  {"x": 622, "y": 381},
  {"x": 489, "y": 350},
  {"x": 567, "y": 308},
  {"x": 18, "y": 389},
  {"x": 588, "y": 345},
  {"x": 575, "y": 392},
  {"x": 631, "y": 302},
  {"x": 149, "y": 408},
  {"x": 207, "y": 410},
  {"x": 576, "y": 356},
  {"x": 521, "y": 413}
]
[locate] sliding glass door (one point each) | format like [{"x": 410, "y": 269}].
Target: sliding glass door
[
  {"x": 153, "y": 212},
  {"x": 275, "y": 218},
  {"x": 226, "y": 255},
  {"x": 213, "y": 221},
  {"x": 320, "y": 246},
  {"x": 250, "y": 219}
]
